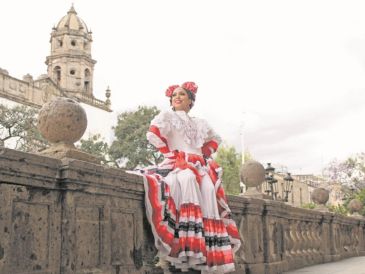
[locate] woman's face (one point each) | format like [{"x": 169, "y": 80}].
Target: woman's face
[{"x": 180, "y": 100}]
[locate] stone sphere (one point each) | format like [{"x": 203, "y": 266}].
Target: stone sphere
[
  {"x": 252, "y": 173},
  {"x": 320, "y": 196},
  {"x": 62, "y": 120},
  {"x": 355, "y": 205}
]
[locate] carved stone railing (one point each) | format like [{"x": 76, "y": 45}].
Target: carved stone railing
[{"x": 70, "y": 216}]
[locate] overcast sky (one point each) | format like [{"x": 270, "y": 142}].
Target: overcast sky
[{"x": 293, "y": 72}]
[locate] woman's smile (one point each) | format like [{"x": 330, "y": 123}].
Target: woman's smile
[{"x": 180, "y": 100}]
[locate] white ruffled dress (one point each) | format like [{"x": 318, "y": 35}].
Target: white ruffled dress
[{"x": 187, "y": 209}]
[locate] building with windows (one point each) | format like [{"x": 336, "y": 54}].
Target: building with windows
[
  {"x": 70, "y": 69},
  {"x": 301, "y": 189}
]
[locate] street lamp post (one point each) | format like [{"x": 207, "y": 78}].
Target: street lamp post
[
  {"x": 288, "y": 186},
  {"x": 270, "y": 186}
]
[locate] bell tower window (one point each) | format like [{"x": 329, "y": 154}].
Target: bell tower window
[
  {"x": 72, "y": 72},
  {"x": 57, "y": 74},
  {"x": 87, "y": 80},
  {"x": 59, "y": 43},
  {"x": 73, "y": 43}
]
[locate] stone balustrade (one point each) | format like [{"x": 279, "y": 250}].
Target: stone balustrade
[
  {"x": 71, "y": 216},
  {"x": 63, "y": 213}
]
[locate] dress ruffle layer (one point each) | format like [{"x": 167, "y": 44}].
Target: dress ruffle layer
[{"x": 184, "y": 236}]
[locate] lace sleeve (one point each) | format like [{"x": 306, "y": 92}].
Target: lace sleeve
[
  {"x": 211, "y": 141},
  {"x": 158, "y": 131},
  {"x": 163, "y": 122}
]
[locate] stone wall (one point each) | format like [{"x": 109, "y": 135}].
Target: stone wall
[{"x": 71, "y": 216}]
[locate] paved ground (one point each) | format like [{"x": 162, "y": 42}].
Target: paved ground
[{"x": 354, "y": 265}]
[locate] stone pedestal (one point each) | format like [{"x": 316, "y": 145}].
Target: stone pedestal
[{"x": 61, "y": 151}]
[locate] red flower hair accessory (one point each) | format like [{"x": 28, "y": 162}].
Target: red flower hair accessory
[
  {"x": 191, "y": 86},
  {"x": 170, "y": 90}
]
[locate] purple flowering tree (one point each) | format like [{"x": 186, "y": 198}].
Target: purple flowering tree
[{"x": 350, "y": 173}]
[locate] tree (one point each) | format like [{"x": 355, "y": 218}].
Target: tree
[
  {"x": 361, "y": 196},
  {"x": 230, "y": 161},
  {"x": 96, "y": 146},
  {"x": 350, "y": 173},
  {"x": 18, "y": 128},
  {"x": 131, "y": 144}
]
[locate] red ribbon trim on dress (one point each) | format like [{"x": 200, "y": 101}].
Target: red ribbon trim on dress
[
  {"x": 209, "y": 148},
  {"x": 182, "y": 164}
]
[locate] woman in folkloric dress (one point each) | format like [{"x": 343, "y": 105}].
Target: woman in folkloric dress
[{"x": 185, "y": 201}]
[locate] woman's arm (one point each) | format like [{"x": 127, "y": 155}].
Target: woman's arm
[
  {"x": 157, "y": 134},
  {"x": 211, "y": 144}
]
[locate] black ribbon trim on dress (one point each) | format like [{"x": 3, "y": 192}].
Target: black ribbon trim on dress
[
  {"x": 217, "y": 241},
  {"x": 191, "y": 226},
  {"x": 170, "y": 221}
]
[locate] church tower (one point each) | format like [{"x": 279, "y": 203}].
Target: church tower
[{"x": 70, "y": 65}]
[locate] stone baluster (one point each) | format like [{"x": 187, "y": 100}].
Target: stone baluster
[
  {"x": 288, "y": 240},
  {"x": 297, "y": 233},
  {"x": 301, "y": 240},
  {"x": 355, "y": 238},
  {"x": 294, "y": 239},
  {"x": 336, "y": 239},
  {"x": 306, "y": 242},
  {"x": 309, "y": 241},
  {"x": 317, "y": 238},
  {"x": 312, "y": 243}
]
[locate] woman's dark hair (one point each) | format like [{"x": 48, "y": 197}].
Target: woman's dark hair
[{"x": 190, "y": 95}]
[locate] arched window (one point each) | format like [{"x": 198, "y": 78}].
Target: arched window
[
  {"x": 87, "y": 80},
  {"x": 57, "y": 74}
]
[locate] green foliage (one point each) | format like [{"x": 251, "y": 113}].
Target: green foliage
[
  {"x": 96, "y": 146},
  {"x": 338, "y": 209},
  {"x": 18, "y": 128},
  {"x": 309, "y": 206},
  {"x": 247, "y": 156},
  {"x": 230, "y": 161},
  {"x": 131, "y": 144},
  {"x": 361, "y": 197}
]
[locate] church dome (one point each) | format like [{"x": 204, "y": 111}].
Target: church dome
[{"x": 71, "y": 22}]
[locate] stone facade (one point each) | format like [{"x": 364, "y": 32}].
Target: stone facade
[
  {"x": 70, "y": 216},
  {"x": 303, "y": 187},
  {"x": 70, "y": 69}
]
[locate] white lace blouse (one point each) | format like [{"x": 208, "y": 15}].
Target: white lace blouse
[{"x": 182, "y": 132}]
